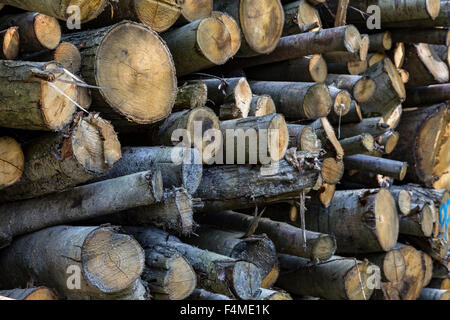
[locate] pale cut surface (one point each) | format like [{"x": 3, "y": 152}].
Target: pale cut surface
[
  {"x": 404, "y": 202},
  {"x": 432, "y": 62},
  {"x": 157, "y": 14},
  {"x": 342, "y": 103},
  {"x": 364, "y": 89},
  {"x": 11, "y": 161},
  {"x": 308, "y": 15},
  {"x": 11, "y": 43},
  {"x": 180, "y": 284},
  {"x": 395, "y": 77},
  {"x": 317, "y": 101},
  {"x": 214, "y": 40},
  {"x": 394, "y": 267},
  {"x": 233, "y": 29},
  {"x": 374, "y": 58},
  {"x": 433, "y": 8},
  {"x": 243, "y": 96},
  {"x": 195, "y": 9},
  {"x": 47, "y": 30},
  {"x": 442, "y": 167},
  {"x": 262, "y": 24},
  {"x": 364, "y": 47},
  {"x": 69, "y": 56},
  {"x": 318, "y": 68},
  {"x": 57, "y": 109},
  {"x": 114, "y": 267},
  {"x": 278, "y": 142},
  {"x": 386, "y": 212},
  {"x": 352, "y": 39},
  {"x": 137, "y": 68},
  {"x": 353, "y": 279}
]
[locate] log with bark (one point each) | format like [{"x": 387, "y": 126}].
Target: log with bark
[
  {"x": 12, "y": 162},
  {"x": 424, "y": 145},
  {"x": 259, "y": 250},
  {"x": 346, "y": 56},
  {"x": 199, "y": 45},
  {"x": 36, "y": 96},
  {"x": 392, "y": 264},
  {"x": 362, "y": 88},
  {"x": 300, "y": 16},
  {"x": 357, "y": 145},
  {"x": 37, "y": 31},
  {"x": 233, "y": 187},
  {"x": 261, "y": 106},
  {"x": 337, "y": 279},
  {"x": 363, "y": 221},
  {"x": 305, "y": 69},
  {"x": 380, "y": 42},
  {"x": 341, "y": 102},
  {"x": 255, "y": 139},
  {"x": 351, "y": 67},
  {"x": 373, "y": 126},
  {"x": 36, "y": 293},
  {"x": 385, "y": 167},
  {"x": 233, "y": 29},
  {"x": 89, "y": 9},
  {"x": 79, "y": 262},
  {"x": 303, "y": 138},
  {"x": 441, "y": 284},
  {"x": 287, "y": 239},
  {"x": 430, "y": 36},
  {"x": 325, "y": 132},
  {"x": 434, "y": 294},
  {"x": 297, "y": 100},
  {"x": 261, "y": 23},
  {"x": 427, "y": 95},
  {"x": 191, "y": 96},
  {"x": 81, "y": 203},
  {"x": 424, "y": 66},
  {"x": 168, "y": 274},
  {"x": 138, "y": 84},
  {"x": 10, "y": 43},
  {"x": 345, "y": 38},
  {"x": 418, "y": 224},
  {"x": 353, "y": 115},
  {"x": 56, "y": 162},
  {"x": 216, "y": 273}
]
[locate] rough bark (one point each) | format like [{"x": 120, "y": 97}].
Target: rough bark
[
  {"x": 385, "y": 167},
  {"x": 86, "y": 249},
  {"x": 261, "y": 106},
  {"x": 80, "y": 203},
  {"x": 133, "y": 68},
  {"x": 216, "y": 273},
  {"x": 29, "y": 98},
  {"x": 358, "y": 144},
  {"x": 374, "y": 126},
  {"x": 287, "y": 239},
  {"x": 362, "y": 88},
  {"x": 336, "y": 279},
  {"x": 392, "y": 264},
  {"x": 430, "y": 36},
  {"x": 351, "y": 67},
  {"x": 363, "y": 221},
  {"x": 303, "y": 138},
  {"x": 191, "y": 96},
  {"x": 381, "y": 42},
  {"x": 10, "y": 43},
  {"x": 55, "y": 163},
  {"x": 352, "y": 116},
  {"x": 417, "y": 224},
  {"x": 427, "y": 95}
]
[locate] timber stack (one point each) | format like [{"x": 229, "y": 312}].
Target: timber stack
[{"x": 224, "y": 150}]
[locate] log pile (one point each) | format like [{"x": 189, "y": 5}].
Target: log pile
[{"x": 224, "y": 150}]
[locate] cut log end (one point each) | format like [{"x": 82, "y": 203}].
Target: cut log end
[
  {"x": 142, "y": 87},
  {"x": 364, "y": 89},
  {"x": 326, "y": 194},
  {"x": 262, "y": 106},
  {"x": 246, "y": 279},
  {"x": 353, "y": 279},
  {"x": 11, "y": 43},
  {"x": 192, "y": 10},
  {"x": 57, "y": 109},
  {"x": 243, "y": 97},
  {"x": 322, "y": 247},
  {"x": 433, "y": 7},
  {"x": 426, "y": 220},
  {"x": 233, "y": 29},
  {"x": 318, "y": 68},
  {"x": 159, "y": 15},
  {"x": 181, "y": 279},
  {"x": 68, "y": 56},
  {"x": 262, "y": 24},
  {"x": 364, "y": 47},
  {"x": 272, "y": 277},
  {"x": 387, "y": 223},
  {"x": 47, "y": 31},
  {"x": 112, "y": 262},
  {"x": 352, "y": 39},
  {"x": 332, "y": 170},
  {"x": 394, "y": 267},
  {"x": 12, "y": 162},
  {"x": 404, "y": 202},
  {"x": 309, "y": 140},
  {"x": 214, "y": 40},
  {"x": 307, "y": 17},
  {"x": 342, "y": 103},
  {"x": 317, "y": 102},
  {"x": 278, "y": 138}
]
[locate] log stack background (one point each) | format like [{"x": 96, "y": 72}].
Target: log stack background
[{"x": 89, "y": 129}]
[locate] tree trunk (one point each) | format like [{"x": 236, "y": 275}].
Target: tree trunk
[
  {"x": 200, "y": 294},
  {"x": 336, "y": 279},
  {"x": 80, "y": 203},
  {"x": 235, "y": 187},
  {"x": 180, "y": 167},
  {"x": 10, "y": 43},
  {"x": 386, "y": 167},
  {"x": 261, "y": 22},
  {"x": 36, "y": 30},
  {"x": 362, "y": 88},
  {"x": 373, "y": 126},
  {"x": 346, "y": 38},
  {"x": 174, "y": 212},
  {"x": 427, "y": 95},
  {"x": 287, "y": 239},
  {"x": 305, "y": 69},
  {"x": 424, "y": 66},
  {"x": 422, "y": 138},
  {"x": 55, "y": 163},
  {"x": 297, "y": 100},
  {"x": 345, "y": 56},
  {"x": 36, "y": 293},
  {"x": 191, "y": 96},
  {"x": 12, "y": 162},
  {"x": 258, "y": 250},
  {"x": 89, "y": 9},
  {"x": 169, "y": 274},
  {"x": 262, "y": 105},
  {"x": 234, "y": 91},
  {"x": 363, "y": 221},
  {"x": 255, "y": 139},
  {"x": 143, "y": 71},
  {"x": 72, "y": 249},
  {"x": 30, "y": 100},
  {"x": 65, "y": 53},
  {"x": 352, "y": 116},
  {"x": 390, "y": 90},
  {"x": 388, "y": 141},
  {"x": 430, "y": 36},
  {"x": 382, "y": 41},
  {"x": 358, "y": 144},
  {"x": 199, "y": 45},
  {"x": 352, "y": 67},
  {"x": 303, "y": 138},
  {"x": 159, "y": 15},
  {"x": 299, "y": 17},
  {"x": 391, "y": 263},
  {"x": 325, "y": 132},
  {"x": 195, "y": 124},
  {"x": 419, "y": 224},
  {"x": 403, "y": 199},
  {"x": 215, "y": 272}
]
